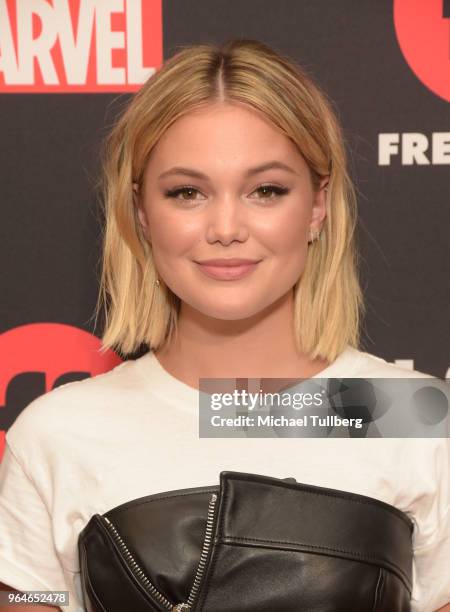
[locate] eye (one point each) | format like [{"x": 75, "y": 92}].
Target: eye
[
  {"x": 274, "y": 189},
  {"x": 186, "y": 189}
]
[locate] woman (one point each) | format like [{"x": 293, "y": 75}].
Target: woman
[{"x": 228, "y": 154}]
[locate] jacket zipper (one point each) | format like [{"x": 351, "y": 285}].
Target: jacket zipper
[
  {"x": 203, "y": 558},
  {"x": 146, "y": 582}
]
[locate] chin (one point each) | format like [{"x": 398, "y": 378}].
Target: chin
[
  {"x": 229, "y": 313},
  {"x": 231, "y": 316}
]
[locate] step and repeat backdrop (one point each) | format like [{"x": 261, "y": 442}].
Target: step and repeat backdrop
[{"x": 67, "y": 67}]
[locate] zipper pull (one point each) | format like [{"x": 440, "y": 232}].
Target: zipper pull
[{"x": 181, "y": 607}]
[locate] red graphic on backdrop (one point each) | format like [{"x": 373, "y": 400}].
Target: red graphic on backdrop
[
  {"x": 423, "y": 33},
  {"x": 38, "y": 357},
  {"x": 69, "y": 46}
]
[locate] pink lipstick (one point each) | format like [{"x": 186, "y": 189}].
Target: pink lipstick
[{"x": 227, "y": 269}]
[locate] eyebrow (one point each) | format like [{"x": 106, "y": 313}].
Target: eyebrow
[{"x": 250, "y": 172}]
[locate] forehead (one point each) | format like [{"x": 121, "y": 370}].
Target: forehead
[{"x": 234, "y": 135}]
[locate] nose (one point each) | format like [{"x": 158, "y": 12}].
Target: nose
[{"x": 226, "y": 221}]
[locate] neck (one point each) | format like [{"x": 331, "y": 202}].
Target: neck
[{"x": 261, "y": 346}]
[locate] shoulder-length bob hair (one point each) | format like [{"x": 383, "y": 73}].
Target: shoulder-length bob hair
[{"x": 328, "y": 298}]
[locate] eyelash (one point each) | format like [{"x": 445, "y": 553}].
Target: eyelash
[{"x": 173, "y": 193}]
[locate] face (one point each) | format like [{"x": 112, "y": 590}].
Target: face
[{"x": 242, "y": 190}]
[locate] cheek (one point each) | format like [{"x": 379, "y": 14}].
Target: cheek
[
  {"x": 285, "y": 234},
  {"x": 172, "y": 234}
]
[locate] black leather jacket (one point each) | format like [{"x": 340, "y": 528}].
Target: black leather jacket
[{"x": 253, "y": 543}]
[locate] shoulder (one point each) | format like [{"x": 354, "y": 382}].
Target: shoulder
[
  {"x": 428, "y": 455},
  {"x": 368, "y": 365},
  {"x": 70, "y": 406}
]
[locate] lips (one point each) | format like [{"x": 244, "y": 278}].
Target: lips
[
  {"x": 229, "y": 262},
  {"x": 230, "y": 269}
]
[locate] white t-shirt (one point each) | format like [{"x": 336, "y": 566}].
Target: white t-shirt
[{"x": 87, "y": 446}]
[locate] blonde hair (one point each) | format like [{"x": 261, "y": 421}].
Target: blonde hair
[{"x": 328, "y": 297}]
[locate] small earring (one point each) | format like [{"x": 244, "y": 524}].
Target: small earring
[
  {"x": 157, "y": 282},
  {"x": 313, "y": 237}
]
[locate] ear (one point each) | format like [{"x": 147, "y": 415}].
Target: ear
[
  {"x": 137, "y": 202},
  {"x": 319, "y": 209}
]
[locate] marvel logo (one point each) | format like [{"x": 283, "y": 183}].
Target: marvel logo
[{"x": 78, "y": 45}]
